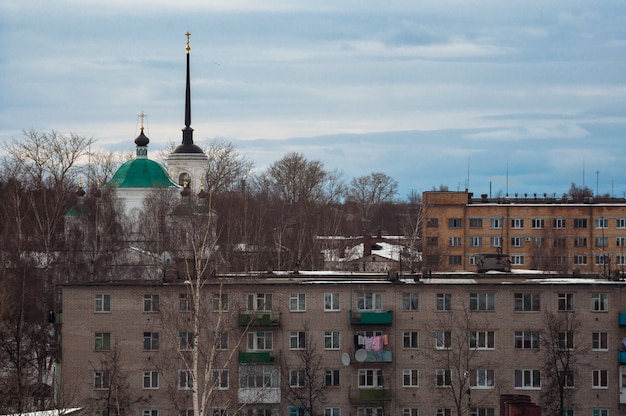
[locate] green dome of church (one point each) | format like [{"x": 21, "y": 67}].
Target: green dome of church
[{"x": 140, "y": 173}]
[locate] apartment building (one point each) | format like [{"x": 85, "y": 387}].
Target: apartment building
[
  {"x": 374, "y": 345},
  {"x": 529, "y": 232}
]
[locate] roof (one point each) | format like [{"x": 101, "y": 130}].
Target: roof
[
  {"x": 141, "y": 173},
  {"x": 48, "y": 412}
]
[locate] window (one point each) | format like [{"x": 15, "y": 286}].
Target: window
[
  {"x": 538, "y": 223},
  {"x": 601, "y": 223},
  {"x": 580, "y": 242},
  {"x": 260, "y": 302},
  {"x": 455, "y": 222},
  {"x": 184, "y": 302},
  {"x": 260, "y": 341},
  {"x": 517, "y": 242},
  {"x": 100, "y": 380},
  {"x": 410, "y": 339},
  {"x": 527, "y": 340},
  {"x": 331, "y": 340},
  {"x": 410, "y": 378},
  {"x": 432, "y": 241},
  {"x": 150, "y": 380},
  {"x": 527, "y": 302},
  {"x": 602, "y": 259},
  {"x": 600, "y": 379},
  {"x": 482, "y": 411},
  {"x": 566, "y": 302},
  {"x": 559, "y": 242},
  {"x": 331, "y": 302},
  {"x": 620, "y": 260},
  {"x": 443, "y": 412},
  {"x": 150, "y": 303},
  {"x": 367, "y": 301},
  {"x": 539, "y": 241},
  {"x": 370, "y": 377},
  {"x": 220, "y": 378},
  {"x": 558, "y": 223},
  {"x": 567, "y": 378},
  {"x": 443, "y": 340},
  {"x": 409, "y": 301},
  {"x": 580, "y": 260},
  {"x": 566, "y": 340},
  {"x": 297, "y": 340},
  {"x": 620, "y": 241},
  {"x": 481, "y": 378},
  {"x": 215, "y": 411},
  {"x": 185, "y": 341},
  {"x": 369, "y": 411},
  {"x": 432, "y": 222},
  {"x": 482, "y": 301},
  {"x": 150, "y": 341},
  {"x": 220, "y": 340},
  {"x": 331, "y": 377},
  {"x": 257, "y": 376},
  {"x": 410, "y": 411},
  {"x": 332, "y": 411},
  {"x": 454, "y": 260},
  {"x": 517, "y": 260},
  {"x": 443, "y": 377},
  {"x": 296, "y": 378},
  {"x": 219, "y": 302},
  {"x": 599, "y": 412},
  {"x": 599, "y": 341},
  {"x": 580, "y": 222},
  {"x": 495, "y": 223},
  {"x": 495, "y": 241},
  {"x": 102, "y": 341},
  {"x": 297, "y": 302},
  {"x": 150, "y": 412},
  {"x": 444, "y": 301},
  {"x": 600, "y": 302},
  {"x": 454, "y": 241},
  {"x": 620, "y": 222},
  {"x": 527, "y": 379},
  {"x": 476, "y": 223},
  {"x": 185, "y": 381},
  {"x": 517, "y": 223},
  {"x": 476, "y": 241},
  {"x": 482, "y": 340},
  {"x": 602, "y": 241},
  {"x": 102, "y": 303}
]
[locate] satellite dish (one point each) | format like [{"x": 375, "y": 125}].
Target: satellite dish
[
  {"x": 624, "y": 342},
  {"x": 360, "y": 355},
  {"x": 166, "y": 259},
  {"x": 345, "y": 359}
]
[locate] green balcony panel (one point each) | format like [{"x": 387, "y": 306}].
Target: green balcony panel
[
  {"x": 622, "y": 357},
  {"x": 255, "y": 319},
  {"x": 255, "y": 357},
  {"x": 372, "y": 318},
  {"x": 622, "y": 319},
  {"x": 378, "y": 357},
  {"x": 374, "y": 394}
]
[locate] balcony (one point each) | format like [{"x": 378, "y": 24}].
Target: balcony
[
  {"x": 371, "y": 395},
  {"x": 378, "y": 357},
  {"x": 264, "y": 395},
  {"x": 622, "y": 357},
  {"x": 257, "y": 319},
  {"x": 371, "y": 318},
  {"x": 260, "y": 357},
  {"x": 622, "y": 318}
]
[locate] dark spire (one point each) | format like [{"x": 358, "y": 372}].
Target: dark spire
[{"x": 187, "y": 145}]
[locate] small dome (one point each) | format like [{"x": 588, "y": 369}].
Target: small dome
[
  {"x": 142, "y": 139},
  {"x": 188, "y": 148}
]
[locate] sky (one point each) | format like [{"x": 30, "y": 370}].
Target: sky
[{"x": 494, "y": 96}]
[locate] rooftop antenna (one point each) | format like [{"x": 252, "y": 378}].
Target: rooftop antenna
[
  {"x": 507, "y": 177},
  {"x": 468, "y": 172}
]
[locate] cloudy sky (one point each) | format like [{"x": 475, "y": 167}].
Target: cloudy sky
[{"x": 495, "y": 95}]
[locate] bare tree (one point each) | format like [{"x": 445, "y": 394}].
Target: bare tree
[
  {"x": 227, "y": 168},
  {"x": 372, "y": 190},
  {"x": 562, "y": 349}
]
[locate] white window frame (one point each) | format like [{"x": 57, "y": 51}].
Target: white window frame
[
  {"x": 527, "y": 302},
  {"x": 332, "y": 302},
  {"x": 565, "y": 302},
  {"x": 297, "y": 302},
  {"x": 410, "y": 377},
  {"x": 482, "y": 340},
  {"x": 221, "y": 378},
  {"x": 455, "y": 241},
  {"x": 620, "y": 222},
  {"x": 331, "y": 377},
  {"x": 102, "y": 303},
  {"x": 484, "y": 379},
  {"x": 517, "y": 260},
  {"x": 186, "y": 340},
  {"x": 150, "y": 380},
  {"x": 102, "y": 341},
  {"x": 482, "y": 301},
  {"x": 101, "y": 380},
  {"x": 495, "y": 223},
  {"x": 410, "y": 301},
  {"x": 599, "y": 302},
  {"x": 261, "y": 302},
  {"x": 580, "y": 259},
  {"x": 538, "y": 223},
  {"x": 260, "y": 341},
  {"x": 185, "y": 380},
  {"x": 443, "y": 340},
  {"x": 219, "y": 302},
  {"x": 410, "y": 340},
  {"x": 559, "y": 223},
  {"x": 150, "y": 412},
  {"x": 601, "y": 223},
  {"x": 332, "y": 340},
  {"x": 600, "y": 379},
  {"x": 517, "y": 241},
  {"x": 517, "y": 223},
  {"x": 600, "y": 341},
  {"x": 495, "y": 242},
  {"x": 527, "y": 379},
  {"x": 444, "y": 301},
  {"x": 369, "y": 301},
  {"x": 297, "y": 378},
  {"x": 443, "y": 377},
  {"x": 527, "y": 340},
  {"x": 370, "y": 378},
  {"x": 297, "y": 340},
  {"x": 150, "y": 303},
  {"x": 332, "y": 411},
  {"x": 476, "y": 241},
  {"x": 151, "y": 341}
]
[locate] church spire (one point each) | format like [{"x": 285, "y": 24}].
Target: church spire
[{"x": 188, "y": 131}]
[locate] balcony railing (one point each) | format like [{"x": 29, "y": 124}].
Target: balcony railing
[
  {"x": 258, "y": 357},
  {"x": 371, "y": 395},
  {"x": 622, "y": 357},
  {"x": 378, "y": 357},
  {"x": 622, "y": 319},
  {"x": 265, "y": 395},
  {"x": 257, "y": 319},
  {"x": 371, "y": 318}
]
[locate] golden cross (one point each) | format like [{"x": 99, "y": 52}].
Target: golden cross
[{"x": 188, "y": 48}]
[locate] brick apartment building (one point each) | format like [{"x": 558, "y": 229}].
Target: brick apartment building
[
  {"x": 400, "y": 346},
  {"x": 529, "y": 232}
]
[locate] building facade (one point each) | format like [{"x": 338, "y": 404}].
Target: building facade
[
  {"x": 372, "y": 346},
  {"x": 530, "y": 232}
]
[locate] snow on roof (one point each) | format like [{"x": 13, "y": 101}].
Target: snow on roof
[{"x": 53, "y": 412}]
